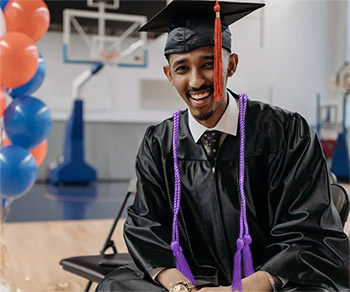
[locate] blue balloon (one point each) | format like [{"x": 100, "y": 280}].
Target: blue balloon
[
  {"x": 17, "y": 171},
  {"x": 27, "y": 121},
  {"x": 3, "y": 4},
  {"x": 33, "y": 84}
]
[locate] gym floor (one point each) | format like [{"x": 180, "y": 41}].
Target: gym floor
[
  {"x": 70, "y": 202},
  {"x": 51, "y": 223}
]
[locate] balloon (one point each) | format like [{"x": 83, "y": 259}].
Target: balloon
[
  {"x": 27, "y": 121},
  {"x": 17, "y": 171},
  {"x": 3, "y": 4},
  {"x": 31, "y": 17},
  {"x": 7, "y": 142},
  {"x": 18, "y": 59},
  {"x": 2, "y": 23},
  {"x": 39, "y": 152},
  {"x": 2, "y": 102},
  {"x": 33, "y": 84}
]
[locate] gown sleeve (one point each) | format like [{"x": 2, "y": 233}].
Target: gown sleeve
[
  {"x": 147, "y": 230},
  {"x": 307, "y": 244}
]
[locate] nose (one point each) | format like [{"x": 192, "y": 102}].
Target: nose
[{"x": 196, "y": 79}]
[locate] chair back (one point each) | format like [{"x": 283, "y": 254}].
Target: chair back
[{"x": 341, "y": 201}]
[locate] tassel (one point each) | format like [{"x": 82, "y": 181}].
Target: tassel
[
  {"x": 217, "y": 55},
  {"x": 247, "y": 256},
  {"x": 181, "y": 263},
  {"x": 237, "y": 278}
]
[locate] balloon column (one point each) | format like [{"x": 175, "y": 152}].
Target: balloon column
[{"x": 26, "y": 120}]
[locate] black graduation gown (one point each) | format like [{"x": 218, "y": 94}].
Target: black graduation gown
[{"x": 297, "y": 233}]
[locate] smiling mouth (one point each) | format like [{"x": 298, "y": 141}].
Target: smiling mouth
[{"x": 203, "y": 94}]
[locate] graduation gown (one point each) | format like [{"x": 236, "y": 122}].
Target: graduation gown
[{"x": 296, "y": 231}]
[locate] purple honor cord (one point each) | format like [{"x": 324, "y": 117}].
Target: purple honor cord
[{"x": 244, "y": 239}]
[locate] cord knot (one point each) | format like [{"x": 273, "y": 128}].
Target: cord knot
[
  {"x": 175, "y": 247},
  {"x": 247, "y": 239},
  {"x": 240, "y": 244}
]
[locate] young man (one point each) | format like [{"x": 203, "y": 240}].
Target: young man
[{"x": 227, "y": 181}]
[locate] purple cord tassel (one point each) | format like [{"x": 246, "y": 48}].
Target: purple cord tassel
[
  {"x": 236, "y": 281},
  {"x": 243, "y": 242},
  {"x": 247, "y": 256},
  {"x": 181, "y": 263}
]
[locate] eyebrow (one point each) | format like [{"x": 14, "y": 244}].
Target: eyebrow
[
  {"x": 183, "y": 60},
  {"x": 208, "y": 57},
  {"x": 178, "y": 62}
]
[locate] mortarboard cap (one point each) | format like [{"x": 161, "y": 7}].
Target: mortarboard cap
[
  {"x": 186, "y": 20},
  {"x": 192, "y": 24}
]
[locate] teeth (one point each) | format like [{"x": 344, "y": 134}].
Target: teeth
[{"x": 200, "y": 95}]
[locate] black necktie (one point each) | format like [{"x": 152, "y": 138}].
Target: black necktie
[{"x": 212, "y": 139}]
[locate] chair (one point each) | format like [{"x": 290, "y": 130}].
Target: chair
[
  {"x": 95, "y": 267},
  {"x": 332, "y": 178},
  {"x": 341, "y": 201}
]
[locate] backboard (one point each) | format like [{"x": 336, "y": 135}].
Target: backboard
[{"x": 98, "y": 36}]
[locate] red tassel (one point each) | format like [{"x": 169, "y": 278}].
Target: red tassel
[{"x": 217, "y": 54}]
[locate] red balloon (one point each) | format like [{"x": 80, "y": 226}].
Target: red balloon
[
  {"x": 7, "y": 142},
  {"x": 18, "y": 58},
  {"x": 31, "y": 17},
  {"x": 2, "y": 102},
  {"x": 39, "y": 152}
]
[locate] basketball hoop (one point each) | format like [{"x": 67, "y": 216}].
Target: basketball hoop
[{"x": 114, "y": 40}]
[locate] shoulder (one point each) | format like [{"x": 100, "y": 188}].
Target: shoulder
[
  {"x": 160, "y": 135},
  {"x": 268, "y": 111},
  {"x": 269, "y": 114},
  {"x": 260, "y": 111},
  {"x": 275, "y": 126}
]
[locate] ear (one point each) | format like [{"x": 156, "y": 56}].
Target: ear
[
  {"x": 232, "y": 65},
  {"x": 167, "y": 72}
]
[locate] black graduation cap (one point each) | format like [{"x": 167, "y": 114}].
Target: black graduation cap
[
  {"x": 230, "y": 12},
  {"x": 190, "y": 25}
]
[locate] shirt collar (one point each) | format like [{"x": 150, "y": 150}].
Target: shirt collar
[{"x": 227, "y": 123}]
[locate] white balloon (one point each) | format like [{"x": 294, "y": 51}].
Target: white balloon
[{"x": 2, "y": 23}]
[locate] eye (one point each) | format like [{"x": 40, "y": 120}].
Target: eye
[
  {"x": 208, "y": 65},
  {"x": 181, "y": 69}
]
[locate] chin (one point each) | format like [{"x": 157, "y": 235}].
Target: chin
[{"x": 203, "y": 116}]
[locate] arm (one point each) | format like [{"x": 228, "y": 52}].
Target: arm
[
  {"x": 169, "y": 277},
  {"x": 306, "y": 231},
  {"x": 147, "y": 229},
  {"x": 256, "y": 282}
]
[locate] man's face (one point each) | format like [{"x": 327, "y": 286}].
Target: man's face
[{"x": 192, "y": 74}]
